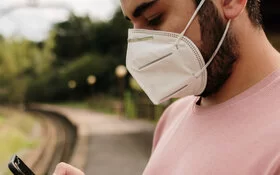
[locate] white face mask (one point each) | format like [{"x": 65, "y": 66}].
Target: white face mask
[{"x": 167, "y": 65}]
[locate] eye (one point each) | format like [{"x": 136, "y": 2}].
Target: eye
[{"x": 155, "y": 21}]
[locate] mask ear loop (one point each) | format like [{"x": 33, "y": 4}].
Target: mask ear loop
[
  {"x": 189, "y": 23},
  {"x": 216, "y": 51}
]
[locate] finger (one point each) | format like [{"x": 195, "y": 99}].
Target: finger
[{"x": 66, "y": 169}]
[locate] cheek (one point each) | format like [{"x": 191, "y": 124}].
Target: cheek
[
  {"x": 176, "y": 24},
  {"x": 173, "y": 24},
  {"x": 177, "y": 17},
  {"x": 194, "y": 32}
]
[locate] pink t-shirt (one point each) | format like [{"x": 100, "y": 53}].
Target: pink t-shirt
[{"x": 238, "y": 137}]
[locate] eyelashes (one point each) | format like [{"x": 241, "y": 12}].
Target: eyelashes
[{"x": 155, "y": 20}]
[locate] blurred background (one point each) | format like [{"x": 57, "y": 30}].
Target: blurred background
[
  {"x": 66, "y": 52},
  {"x": 71, "y": 53}
]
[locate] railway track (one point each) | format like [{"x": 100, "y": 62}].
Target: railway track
[{"x": 58, "y": 142}]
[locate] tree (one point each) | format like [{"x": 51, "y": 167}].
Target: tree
[{"x": 20, "y": 62}]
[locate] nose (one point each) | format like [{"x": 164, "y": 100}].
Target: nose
[
  {"x": 140, "y": 24},
  {"x": 136, "y": 26}
]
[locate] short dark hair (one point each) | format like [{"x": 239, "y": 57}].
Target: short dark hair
[{"x": 254, "y": 11}]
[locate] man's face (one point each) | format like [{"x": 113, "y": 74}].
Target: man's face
[
  {"x": 164, "y": 15},
  {"x": 205, "y": 31}
]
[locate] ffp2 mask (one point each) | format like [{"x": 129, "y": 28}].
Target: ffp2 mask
[{"x": 168, "y": 65}]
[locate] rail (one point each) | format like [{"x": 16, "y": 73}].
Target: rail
[{"x": 58, "y": 142}]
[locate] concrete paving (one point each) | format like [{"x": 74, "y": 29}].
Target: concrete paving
[
  {"x": 122, "y": 154},
  {"x": 116, "y": 145}
]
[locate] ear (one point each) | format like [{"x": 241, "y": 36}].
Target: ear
[{"x": 233, "y": 8}]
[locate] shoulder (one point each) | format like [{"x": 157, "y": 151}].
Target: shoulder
[
  {"x": 268, "y": 145},
  {"x": 170, "y": 115},
  {"x": 173, "y": 111}
]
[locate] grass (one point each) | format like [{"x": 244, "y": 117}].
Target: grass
[
  {"x": 1, "y": 120},
  {"x": 103, "y": 104},
  {"x": 133, "y": 108},
  {"x": 16, "y": 134},
  {"x": 87, "y": 105},
  {"x": 74, "y": 104}
]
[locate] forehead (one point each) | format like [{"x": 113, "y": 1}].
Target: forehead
[{"x": 129, "y": 5}]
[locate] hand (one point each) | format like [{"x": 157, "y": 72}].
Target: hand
[{"x": 65, "y": 169}]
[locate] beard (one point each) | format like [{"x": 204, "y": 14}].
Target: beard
[{"x": 212, "y": 28}]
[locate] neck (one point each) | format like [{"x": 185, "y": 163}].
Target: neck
[{"x": 257, "y": 60}]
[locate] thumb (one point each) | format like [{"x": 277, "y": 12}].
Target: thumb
[{"x": 66, "y": 169}]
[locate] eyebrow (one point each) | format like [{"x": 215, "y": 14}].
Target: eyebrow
[{"x": 141, "y": 9}]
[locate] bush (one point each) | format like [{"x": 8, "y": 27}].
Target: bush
[
  {"x": 54, "y": 86},
  {"x": 129, "y": 106}
]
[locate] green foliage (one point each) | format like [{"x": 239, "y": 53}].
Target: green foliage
[
  {"x": 82, "y": 48},
  {"x": 73, "y": 37},
  {"x": 100, "y": 103},
  {"x": 134, "y": 85},
  {"x": 130, "y": 107},
  {"x": 1, "y": 120},
  {"x": 16, "y": 133},
  {"x": 20, "y": 61},
  {"x": 75, "y": 49},
  {"x": 104, "y": 103},
  {"x": 54, "y": 86},
  {"x": 80, "y": 35},
  {"x": 84, "y": 66}
]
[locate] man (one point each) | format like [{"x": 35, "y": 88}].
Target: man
[{"x": 214, "y": 54}]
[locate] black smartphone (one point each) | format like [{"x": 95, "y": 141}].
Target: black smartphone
[{"x": 18, "y": 167}]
